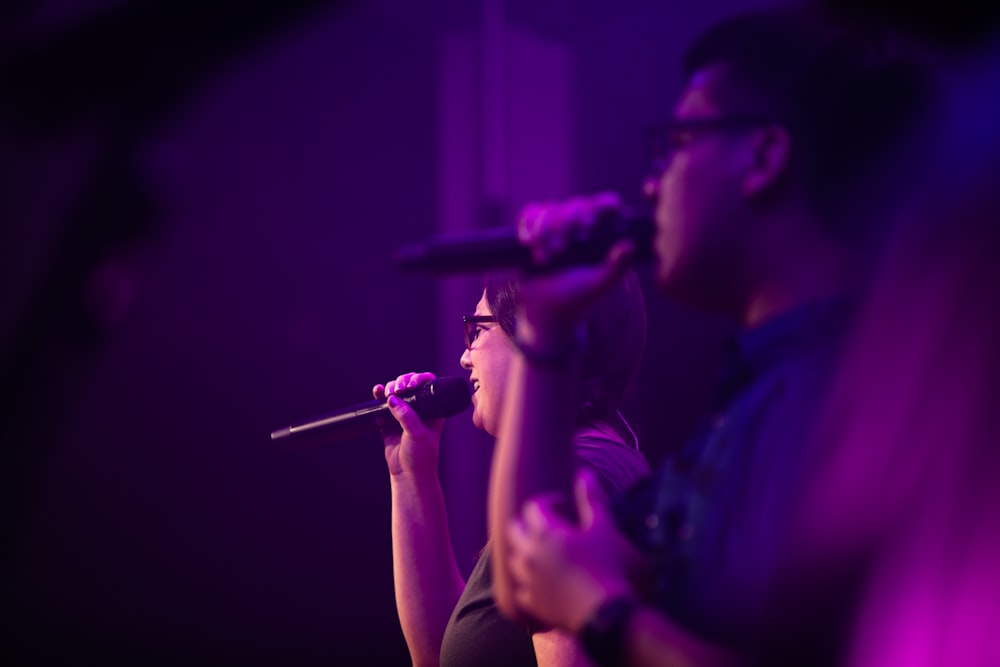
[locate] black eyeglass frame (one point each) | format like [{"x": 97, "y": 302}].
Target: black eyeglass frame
[
  {"x": 661, "y": 143},
  {"x": 470, "y": 327}
]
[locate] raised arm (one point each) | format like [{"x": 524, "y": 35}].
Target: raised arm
[
  {"x": 534, "y": 451},
  {"x": 427, "y": 580}
]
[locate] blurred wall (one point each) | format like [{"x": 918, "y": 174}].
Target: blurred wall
[{"x": 198, "y": 232}]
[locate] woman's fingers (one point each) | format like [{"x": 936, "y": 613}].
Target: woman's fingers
[{"x": 404, "y": 382}]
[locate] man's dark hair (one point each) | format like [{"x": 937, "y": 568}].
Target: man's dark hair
[{"x": 846, "y": 92}]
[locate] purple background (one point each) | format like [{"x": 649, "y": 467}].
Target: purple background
[{"x": 200, "y": 204}]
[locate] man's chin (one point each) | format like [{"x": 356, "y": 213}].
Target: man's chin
[{"x": 666, "y": 278}]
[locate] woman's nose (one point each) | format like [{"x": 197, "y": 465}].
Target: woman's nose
[{"x": 465, "y": 361}]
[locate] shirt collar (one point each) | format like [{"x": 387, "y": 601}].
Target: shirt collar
[{"x": 753, "y": 351}]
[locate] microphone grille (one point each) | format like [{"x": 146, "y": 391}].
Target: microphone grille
[{"x": 444, "y": 397}]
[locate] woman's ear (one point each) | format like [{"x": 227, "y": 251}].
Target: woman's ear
[{"x": 771, "y": 152}]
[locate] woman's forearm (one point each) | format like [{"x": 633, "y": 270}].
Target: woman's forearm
[{"x": 427, "y": 580}]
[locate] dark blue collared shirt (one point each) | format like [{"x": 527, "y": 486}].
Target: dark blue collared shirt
[{"x": 712, "y": 517}]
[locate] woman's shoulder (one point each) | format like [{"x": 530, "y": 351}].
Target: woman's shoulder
[{"x": 618, "y": 463}]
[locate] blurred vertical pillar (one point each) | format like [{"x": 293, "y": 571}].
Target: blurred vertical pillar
[{"x": 504, "y": 128}]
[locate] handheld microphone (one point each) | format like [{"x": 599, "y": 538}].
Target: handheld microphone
[
  {"x": 499, "y": 248},
  {"x": 437, "y": 399}
]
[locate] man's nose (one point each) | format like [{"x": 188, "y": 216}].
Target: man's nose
[{"x": 651, "y": 188}]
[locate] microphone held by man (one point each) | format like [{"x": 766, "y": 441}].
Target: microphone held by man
[{"x": 500, "y": 248}]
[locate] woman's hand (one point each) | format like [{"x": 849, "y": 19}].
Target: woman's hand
[{"x": 415, "y": 450}]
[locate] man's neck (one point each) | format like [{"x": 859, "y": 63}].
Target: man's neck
[{"x": 806, "y": 278}]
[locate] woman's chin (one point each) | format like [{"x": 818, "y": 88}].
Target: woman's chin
[{"x": 484, "y": 424}]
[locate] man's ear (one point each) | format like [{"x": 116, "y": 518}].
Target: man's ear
[{"x": 771, "y": 152}]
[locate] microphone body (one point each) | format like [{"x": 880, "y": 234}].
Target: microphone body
[
  {"x": 437, "y": 399},
  {"x": 499, "y": 248}
]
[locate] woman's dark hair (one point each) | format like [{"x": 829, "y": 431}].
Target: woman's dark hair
[{"x": 615, "y": 340}]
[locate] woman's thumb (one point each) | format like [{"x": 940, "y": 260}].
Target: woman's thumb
[{"x": 403, "y": 413}]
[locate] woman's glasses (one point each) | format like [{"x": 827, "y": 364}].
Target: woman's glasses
[{"x": 470, "y": 324}]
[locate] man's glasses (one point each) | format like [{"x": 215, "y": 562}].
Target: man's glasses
[
  {"x": 470, "y": 323},
  {"x": 665, "y": 140}
]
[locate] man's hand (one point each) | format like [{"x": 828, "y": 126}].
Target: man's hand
[
  {"x": 553, "y": 302},
  {"x": 561, "y": 572}
]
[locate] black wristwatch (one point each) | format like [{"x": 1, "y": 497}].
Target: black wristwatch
[{"x": 603, "y": 636}]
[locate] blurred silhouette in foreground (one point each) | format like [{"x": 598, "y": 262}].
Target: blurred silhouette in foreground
[{"x": 904, "y": 497}]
